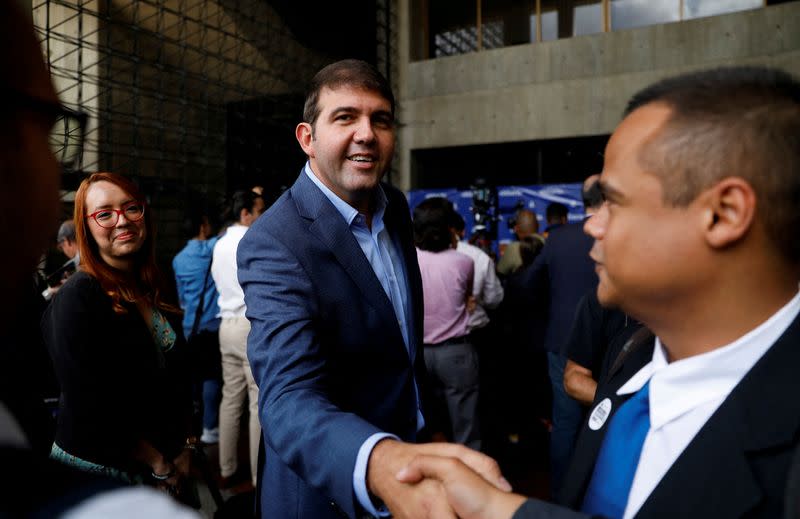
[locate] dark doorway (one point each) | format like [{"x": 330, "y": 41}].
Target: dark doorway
[{"x": 511, "y": 163}]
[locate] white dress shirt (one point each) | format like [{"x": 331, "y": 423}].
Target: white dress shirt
[
  {"x": 685, "y": 393},
  {"x": 225, "y": 272},
  {"x": 486, "y": 286}
]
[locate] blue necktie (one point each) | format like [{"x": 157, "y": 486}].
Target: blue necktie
[{"x": 616, "y": 464}]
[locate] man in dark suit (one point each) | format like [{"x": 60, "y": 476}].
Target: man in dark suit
[
  {"x": 555, "y": 282},
  {"x": 701, "y": 181},
  {"x": 334, "y": 298}
]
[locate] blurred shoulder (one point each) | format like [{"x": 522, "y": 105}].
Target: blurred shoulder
[
  {"x": 79, "y": 283},
  {"x": 80, "y": 291}
]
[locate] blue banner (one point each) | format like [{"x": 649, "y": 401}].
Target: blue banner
[{"x": 534, "y": 197}]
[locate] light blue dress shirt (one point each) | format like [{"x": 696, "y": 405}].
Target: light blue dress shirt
[
  {"x": 191, "y": 276},
  {"x": 383, "y": 255}
]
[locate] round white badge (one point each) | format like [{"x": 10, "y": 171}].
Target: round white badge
[{"x": 600, "y": 414}]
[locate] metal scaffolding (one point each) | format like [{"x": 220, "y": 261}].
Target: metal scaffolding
[{"x": 194, "y": 95}]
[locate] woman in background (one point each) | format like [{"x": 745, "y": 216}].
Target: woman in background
[{"x": 125, "y": 406}]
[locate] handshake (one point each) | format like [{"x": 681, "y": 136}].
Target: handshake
[{"x": 439, "y": 480}]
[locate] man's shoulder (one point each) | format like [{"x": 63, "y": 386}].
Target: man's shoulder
[
  {"x": 565, "y": 238},
  {"x": 230, "y": 237},
  {"x": 459, "y": 257},
  {"x": 281, "y": 226},
  {"x": 183, "y": 252},
  {"x": 276, "y": 220},
  {"x": 568, "y": 229},
  {"x": 194, "y": 250},
  {"x": 285, "y": 206},
  {"x": 476, "y": 253}
]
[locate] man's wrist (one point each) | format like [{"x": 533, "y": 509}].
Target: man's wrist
[{"x": 368, "y": 466}]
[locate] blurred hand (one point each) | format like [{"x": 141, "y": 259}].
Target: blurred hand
[
  {"x": 422, "y": 498},
  {"x": 183, "y": 463},
  {"x": 469, "y": 493}
]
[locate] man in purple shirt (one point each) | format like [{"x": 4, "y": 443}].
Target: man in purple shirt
[{"x": 450, "y": 356}]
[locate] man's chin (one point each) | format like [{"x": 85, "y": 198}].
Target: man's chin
[
  {"x": 607, "y": 297},
  {"x": 364, "y": 184}
]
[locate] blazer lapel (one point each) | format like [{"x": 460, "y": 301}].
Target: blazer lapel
[
  {"x": 329, "y": 226},
  {"x": 591, "y": 437},
  {"x": 397, "y": 221},
  {"x": 760, "y": 418}
]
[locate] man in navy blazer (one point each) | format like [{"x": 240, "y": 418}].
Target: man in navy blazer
[
  {"x": 334, "y": 298},
  {"x": 556, "y": 281},
  {"x": 696, "y": 240}
]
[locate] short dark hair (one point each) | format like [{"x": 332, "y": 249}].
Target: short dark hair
[
  {"x": 556, "y": 211},
  {"x": 244, "y": 199},
  {"x": 730, "y": 121},
  {"x": 347, "y": 72},
  {"x": 592, "y": 196},
  {"x": 457, "y": 221},
  {"x": 197, "y": 214},
  {"x": 432, "y": 225},
  {"x": 454, "y": 220}
]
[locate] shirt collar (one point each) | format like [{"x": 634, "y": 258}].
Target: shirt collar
[
  {"x": 681, "y": 386},
  {"x": 348, "y": 212}
]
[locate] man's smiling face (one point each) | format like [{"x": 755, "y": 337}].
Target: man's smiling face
[{"x": 350, "y": 145}]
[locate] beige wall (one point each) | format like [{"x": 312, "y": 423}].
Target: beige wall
[{"x": 571, "y": 87}]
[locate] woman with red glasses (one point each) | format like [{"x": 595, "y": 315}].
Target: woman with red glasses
[{"x": 125, "y": 402}]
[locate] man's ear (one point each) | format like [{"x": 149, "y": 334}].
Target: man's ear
[
  {"x": 730, "y": 211},
  {"x": 244, "y": 214},
  {"x": 305, "y": 136}
]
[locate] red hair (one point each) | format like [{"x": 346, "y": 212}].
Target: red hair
[{"x": 145, "y": 283}]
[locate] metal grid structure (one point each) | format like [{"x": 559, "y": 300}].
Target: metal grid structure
[
  {"x": 191, "y": 96},
  {"x": 386, "y": 52}
]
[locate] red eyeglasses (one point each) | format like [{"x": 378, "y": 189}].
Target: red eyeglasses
[{"x": 108, "y": 218}]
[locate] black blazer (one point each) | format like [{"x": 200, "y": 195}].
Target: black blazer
[
  {"x": 737, "y": 465},
  {"x": 116, "y": 387},
  {"x": 561, "y": 274}
]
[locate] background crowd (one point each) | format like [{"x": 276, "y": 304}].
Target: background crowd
[{"x": 347, "y": 329}]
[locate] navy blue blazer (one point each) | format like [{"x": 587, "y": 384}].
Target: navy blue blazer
[
  {"x": 559, "y": 276},
  {"x": 326, "y": 349},
  {"x": 738, "y": 464}
]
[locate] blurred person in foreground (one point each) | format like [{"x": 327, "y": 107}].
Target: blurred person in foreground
[
  {"x": 334, "y": 297},
  {"x": 701, "y": 181},
  {"x": 30, "y": 483},
  {"x": 116, "y": 345}
]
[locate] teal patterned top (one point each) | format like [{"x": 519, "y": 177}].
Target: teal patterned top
[{"x": 163, "y": 333}]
